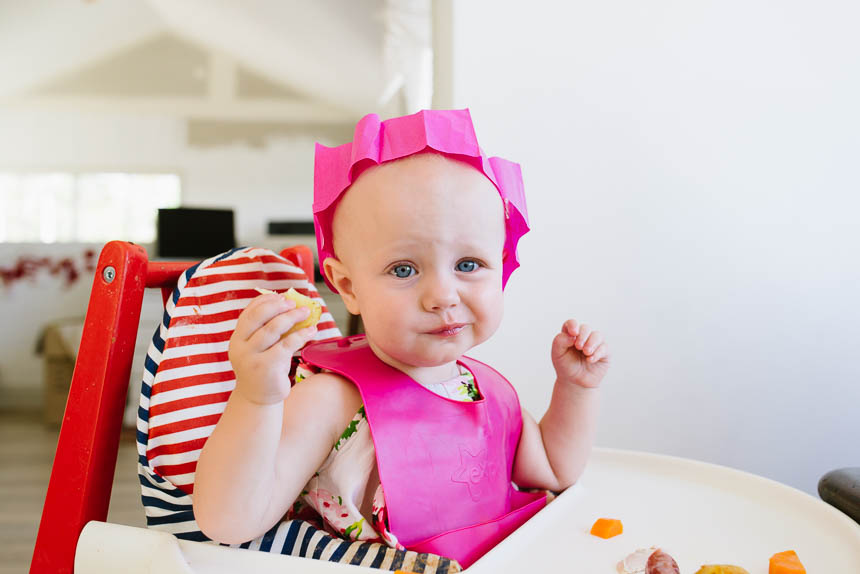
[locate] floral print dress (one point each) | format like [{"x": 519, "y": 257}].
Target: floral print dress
[{"x": 338, "y": 490}]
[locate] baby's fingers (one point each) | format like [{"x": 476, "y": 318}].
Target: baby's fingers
[
  {"x": 594, "y": 340},
  {"x": 567, "y": 338},
  {"x": 602, "y": 352},
  {"x": 295, "y": 340},
  {"x": 584, "y": 332},
  {"x": 272, "y": 332},
  {"x": 570, "y": 328},
  {"x": 560, "y": 344},
  {"x": 258, "y": 313}
]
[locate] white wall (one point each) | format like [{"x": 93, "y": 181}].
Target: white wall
[
  {"x": 260, "y": 184},
  {"x": 692, "y": 176}
]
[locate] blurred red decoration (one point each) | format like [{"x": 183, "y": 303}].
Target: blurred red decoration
[{"x": 69, "y": 268}]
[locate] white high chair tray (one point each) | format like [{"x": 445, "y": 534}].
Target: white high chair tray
[{"x": 699, "y": 513}]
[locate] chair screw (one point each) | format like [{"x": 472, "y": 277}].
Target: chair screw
[{"x": 109, "y": 274}]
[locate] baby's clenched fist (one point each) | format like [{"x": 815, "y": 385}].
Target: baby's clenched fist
[
  {"x": 260, "y": 351},
  {"x": 580, "y": 355}
]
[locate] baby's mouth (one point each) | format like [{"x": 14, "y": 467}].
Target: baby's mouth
[{"x": 448, "y": 330}]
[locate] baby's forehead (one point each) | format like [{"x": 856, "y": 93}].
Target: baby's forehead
[
  {"x": 426, "y": 176},
  {"x": 431, "y": 188},
  {"x": 425, "y": 185}
]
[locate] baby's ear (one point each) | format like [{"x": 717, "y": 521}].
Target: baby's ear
[{"x": 338, "y": 275}]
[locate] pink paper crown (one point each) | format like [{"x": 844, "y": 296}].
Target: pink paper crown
[{"x": 449, "y": 132}]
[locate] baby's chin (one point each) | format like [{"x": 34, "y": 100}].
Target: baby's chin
[
  {"x": 421, "y": 358},
  {"x": 438, "y": 355},
  {"x": 433, "y": 360}
]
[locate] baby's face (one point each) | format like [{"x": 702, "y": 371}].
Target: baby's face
[{"x": 420, "y": 241}]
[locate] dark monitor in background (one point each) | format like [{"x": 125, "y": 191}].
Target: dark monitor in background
[{"x": 191, "y": 233}]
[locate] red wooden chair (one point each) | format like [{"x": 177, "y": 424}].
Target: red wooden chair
[{"x": 82, "y": 475}]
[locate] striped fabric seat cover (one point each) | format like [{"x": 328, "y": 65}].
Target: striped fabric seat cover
[{"x": 187, "y": 380}]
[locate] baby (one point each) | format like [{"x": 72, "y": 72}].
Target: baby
[{"x": 419, "y": 239}]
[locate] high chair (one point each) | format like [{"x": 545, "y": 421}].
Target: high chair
[
  {"x": 700, "y": 513},
  {"x": 83, "y": 470}
]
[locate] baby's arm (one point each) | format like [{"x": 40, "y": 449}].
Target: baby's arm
[
  {"x": 553, "y": 454},
  {"x": 270, "y": 439}
]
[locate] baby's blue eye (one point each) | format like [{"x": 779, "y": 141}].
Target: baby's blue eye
[
  {"x": 467, "y": 266},
  {"x": 403, "y": 271}
]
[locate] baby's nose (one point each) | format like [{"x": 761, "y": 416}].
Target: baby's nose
[{"x": 440, "y": 293}]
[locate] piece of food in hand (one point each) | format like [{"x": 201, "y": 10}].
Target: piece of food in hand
[
  {"x": 607, "y": 527},
  {"x": 661, "y": 563},
  {"x": 636, "y": 562},
  {"x": 786, "y": 563},
  {"x": 721, "y": 569},
  {"x": 301, "y": 301}
]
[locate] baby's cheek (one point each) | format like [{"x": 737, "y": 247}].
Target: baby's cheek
[
  {"x": 490, "y": 312},
  {"x": 385, "y": 327}
]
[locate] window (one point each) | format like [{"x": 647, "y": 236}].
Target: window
[{"x": 83, "y": 207}]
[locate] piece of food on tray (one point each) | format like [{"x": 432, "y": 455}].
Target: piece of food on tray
[
  {"x": 301, "y": 301},
  {"x": 636, "y": 562},
  {"x": 661, "y": 563},
  {"x": 607, "y": 527},
  {"x": 721, "y": 569},
  {"x": 786, "y": 563}
]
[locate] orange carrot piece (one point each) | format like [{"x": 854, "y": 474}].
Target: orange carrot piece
[
  {"x": 607, "y": 528},
  {"x": 786, "y": 563}
]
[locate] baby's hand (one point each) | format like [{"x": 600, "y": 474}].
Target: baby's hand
[
  {"x": 579, "y": 355},
  {"x": 261, "y": 358}
]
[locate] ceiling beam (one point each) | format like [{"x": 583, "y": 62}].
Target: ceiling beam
[
  {"x": 299, "y": 111},
  {"x": 40, "y": 41}
]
